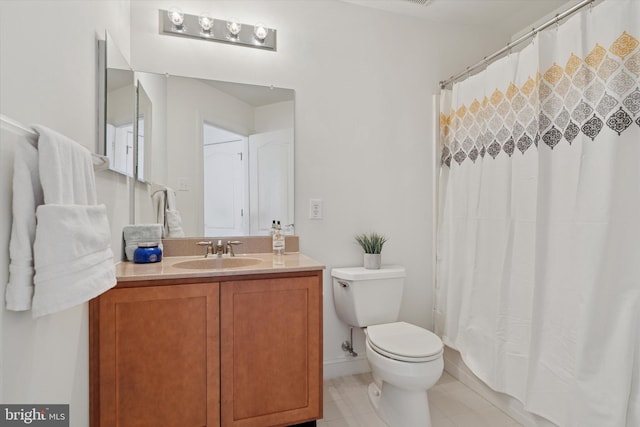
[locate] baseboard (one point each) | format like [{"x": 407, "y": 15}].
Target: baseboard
[
  {"x": 456, "y": 367},
  {"x": 345, "y": 366}
]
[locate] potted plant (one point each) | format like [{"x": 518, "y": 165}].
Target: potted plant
[{"x": 372, "y": 244}]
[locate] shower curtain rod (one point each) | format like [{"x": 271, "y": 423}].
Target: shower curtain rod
[{"x": 533, "y": 32}]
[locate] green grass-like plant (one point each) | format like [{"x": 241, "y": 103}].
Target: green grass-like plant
[{"x": 371, "y": 243}]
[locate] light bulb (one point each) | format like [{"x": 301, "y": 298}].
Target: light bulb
[
  {"x": 206, "y": 23},
  {"x": 260, "y": 31},
  {"x": 177, "y": 18},
  {"x": 234, "y": 27}
]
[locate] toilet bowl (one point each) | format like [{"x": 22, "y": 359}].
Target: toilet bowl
[{"x": 405, "y": 360}]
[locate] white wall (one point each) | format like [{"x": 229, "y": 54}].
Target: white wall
[
  {"x": 48, "y": 76},
  {"x": 274, "y": 117},
  {"x": 363, "y": 81}
]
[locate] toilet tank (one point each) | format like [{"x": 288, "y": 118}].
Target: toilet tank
[{"x": 368, "y": 297}]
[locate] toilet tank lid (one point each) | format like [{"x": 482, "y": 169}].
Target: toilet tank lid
[{"x": 361, "y": 273}]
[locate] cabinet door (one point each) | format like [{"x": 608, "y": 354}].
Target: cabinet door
[
  {"x": 271, "y": 340},
  {"x": 159, "y": 356}
]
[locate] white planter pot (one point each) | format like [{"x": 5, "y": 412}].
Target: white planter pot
[{"x": 372, "y": 261}]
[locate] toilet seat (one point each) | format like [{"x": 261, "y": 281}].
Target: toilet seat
[{"x": 404, "y": 342}]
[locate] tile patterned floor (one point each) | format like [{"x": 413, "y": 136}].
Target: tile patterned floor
[{"x": 452, "y": 404}]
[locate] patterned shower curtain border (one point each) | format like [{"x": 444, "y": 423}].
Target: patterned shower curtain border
[{"x": 583, "y": 96}]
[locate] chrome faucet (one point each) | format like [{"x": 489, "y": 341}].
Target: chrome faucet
[{"x": 219, "y": 249}]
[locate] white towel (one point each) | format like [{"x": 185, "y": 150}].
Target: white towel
[
  {"x": 66, "y": 170},
  {"x": 139, "y": 233},
  {"x": 72, "y": 258},
  {"x": 27, "y": 196},
  {"x": 164, "y": 202},
  {"x": 159, "y": 201},
  {"x": 174, "y": 224},
  {"x": 173, "y": 220}
]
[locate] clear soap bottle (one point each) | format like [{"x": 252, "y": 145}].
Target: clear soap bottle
[{"x": 278, "y": 243}]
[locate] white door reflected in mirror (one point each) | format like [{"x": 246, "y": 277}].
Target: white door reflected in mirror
[
  {"x": 234, "y": 163},
  {"x": 271, "y": 178},
  {"x": 226, "y": 187},
  {"x": 119, "y": 148}
]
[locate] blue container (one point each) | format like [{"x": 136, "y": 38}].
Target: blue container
[{"x": 147, "y": 252}]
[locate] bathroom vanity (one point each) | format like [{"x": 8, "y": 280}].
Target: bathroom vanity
[{"x": 239, "y": 346}]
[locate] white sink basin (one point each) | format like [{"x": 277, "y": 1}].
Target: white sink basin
[{"x": 216, "y": 263}]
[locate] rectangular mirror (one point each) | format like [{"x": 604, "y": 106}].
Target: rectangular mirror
[
  {"x": 224, "y": 149},
  {"x": 116, "y": 115}
]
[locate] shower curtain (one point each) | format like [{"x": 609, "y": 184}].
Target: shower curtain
[{"x": 538, "y": 255}]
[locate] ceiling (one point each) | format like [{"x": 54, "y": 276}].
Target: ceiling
[{"x": 512, "y": 16}]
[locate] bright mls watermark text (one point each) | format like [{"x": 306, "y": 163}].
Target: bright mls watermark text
[{"x": 34, "y": 415}]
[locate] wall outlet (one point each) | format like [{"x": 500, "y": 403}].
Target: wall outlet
[{"x": 315, "y": 209}]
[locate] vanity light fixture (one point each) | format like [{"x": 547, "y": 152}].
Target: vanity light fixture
[
  {"x": 234, "y": 28},
  {"x": 260, "y": 32},
  {"x": 176, "y": 17},
  {"x": 175, "y": 23},
  {"x": 206, "y": 24}
]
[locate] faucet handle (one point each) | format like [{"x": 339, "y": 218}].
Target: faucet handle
[
  {"x": 230, "y": 245},
  {"x": 208, "y": 245}
]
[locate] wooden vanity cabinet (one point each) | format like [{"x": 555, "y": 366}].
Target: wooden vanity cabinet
[
  {"x": 157, "y": 356},
  {"x": 240, "y": 351},
  {"x": 271, "y": 351}
]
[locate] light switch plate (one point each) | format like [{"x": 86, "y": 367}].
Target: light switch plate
[
  {"x": 315, "y": 208},
  {"x": 183, "y": 184}
]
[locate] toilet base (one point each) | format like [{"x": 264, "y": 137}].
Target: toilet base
[
  {"x": 374, "y": 395},
  {"x": 398, "y": 407}
]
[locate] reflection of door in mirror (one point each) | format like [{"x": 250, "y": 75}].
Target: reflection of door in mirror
[
  {"x": 119, "y": 142},
  {"x": 226, "y": 184},
  {"x": 140, "y": 142},
  {"x": 144, "y": 109},
  {"x": 234, "y": 163},
  {"x": 271, "y": 178},
  {"x": 119, "y": 121}
]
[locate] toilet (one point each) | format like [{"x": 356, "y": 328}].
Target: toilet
[{"x": 405, "y": 360}]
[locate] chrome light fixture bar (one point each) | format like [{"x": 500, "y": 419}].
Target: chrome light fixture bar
[{"x": 204, "y": 27}]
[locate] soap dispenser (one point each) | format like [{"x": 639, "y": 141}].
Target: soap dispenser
[{"x": 278, "y": 241}]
